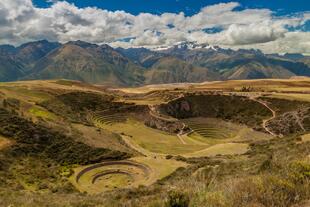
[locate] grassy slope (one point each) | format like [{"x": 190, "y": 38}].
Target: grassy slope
[
  {"x": 273, "y": 173},
  {"x": 173, "y": 70},
  {"x": 37, "y": 144},
  {"x": 100, "y": 138},
  {"x": 88, "y": 64}
]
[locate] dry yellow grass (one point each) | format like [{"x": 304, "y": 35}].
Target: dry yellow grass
[
  {"x": 4, "y": 142},
  {"x": 298, "y": 84},
  {"x": 144, "y": 102},
  {"x": 292, "y": 96},
  {"x": 221, "y": 149},
  {"x": 305, "y": 138}
]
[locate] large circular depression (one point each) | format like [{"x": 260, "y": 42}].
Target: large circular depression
[{"x": 112, "y": 175}]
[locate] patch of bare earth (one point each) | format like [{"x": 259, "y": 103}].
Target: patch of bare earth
[{"x": 4, "y": 142}]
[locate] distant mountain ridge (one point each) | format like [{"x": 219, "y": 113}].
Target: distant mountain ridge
[
  {"x": 184, "y": 62},
  {"x": 89, "y": 63}
]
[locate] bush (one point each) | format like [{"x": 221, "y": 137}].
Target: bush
[
  {"x": 177, "y": 199},
  {"x": 299, "y": 171},
  {"x": 266, "y": 190},
  {"x": 168, "y": 157}
]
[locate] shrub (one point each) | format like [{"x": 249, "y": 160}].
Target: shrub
[
  {"x": 177, "y": 199},
  {"x": 211, "y": 199},
  {"x": 266, "y": 190},
  {"x": 299, "y": 171},
  {"x": 168, "y": 157}
]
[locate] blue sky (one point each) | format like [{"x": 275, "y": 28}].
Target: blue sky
[
  {"x": 273, "y": 26},
  {"x": 189, "y": 7}
]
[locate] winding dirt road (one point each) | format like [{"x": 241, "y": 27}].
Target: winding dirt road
[{"x": 265, "y": 121}]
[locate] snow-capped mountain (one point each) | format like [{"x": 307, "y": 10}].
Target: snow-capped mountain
[{"x": 187, "y": 45}]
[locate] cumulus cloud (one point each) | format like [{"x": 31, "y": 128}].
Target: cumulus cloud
[
  {"x": 261, "y": 32},
  {"x": 292, "y": 42},
  {"x": 21, "y": 21}
]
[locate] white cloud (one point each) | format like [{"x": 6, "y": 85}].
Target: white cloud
[
  {"x": 21, "y": 21},
  {"x": 292, "y": 42},
  {"x": 261, "y": 32}
]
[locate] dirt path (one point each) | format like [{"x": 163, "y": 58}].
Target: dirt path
[
  {"x": 299, "y": 122},
  {"x": 181, "y": 138},
  {"x": 265, "y": 121},
  {"x": 180, "y": 134}
]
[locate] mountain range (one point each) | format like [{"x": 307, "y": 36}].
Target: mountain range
[{"x": 183, "y": 62}]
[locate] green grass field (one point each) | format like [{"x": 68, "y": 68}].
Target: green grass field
[
  {"x": 150, "y": 139},
  {"x": 209, "y": 129},
  {"x": 216, "y": 131},
  {"x": 108, "y": 119},
  {"x": 41, "y": 112}
]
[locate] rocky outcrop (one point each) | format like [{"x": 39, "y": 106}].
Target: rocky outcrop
[
  {"x": 291, "y": 122},
  {"x": 167, "y": 126},
  {"x": 157, "y": 120}
]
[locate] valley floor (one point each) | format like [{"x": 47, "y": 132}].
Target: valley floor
[{"x": 75, "y": 144}]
